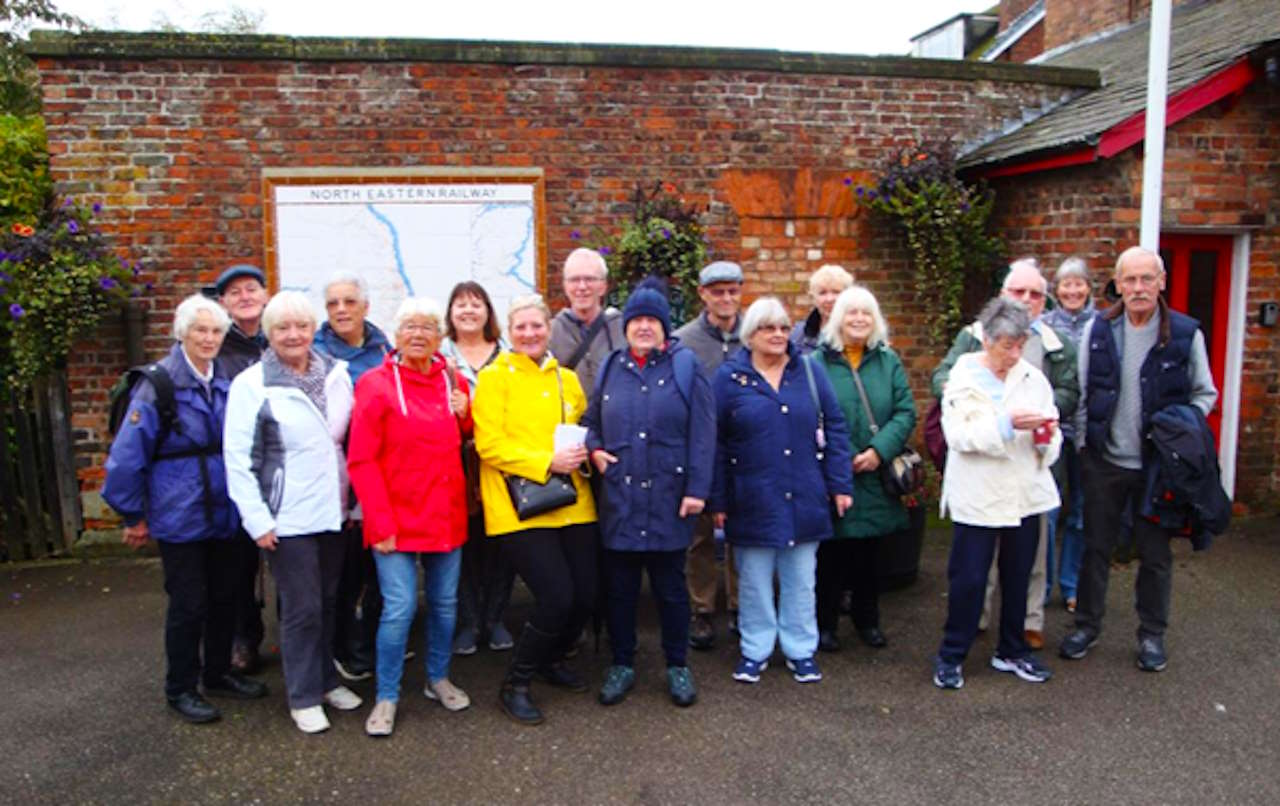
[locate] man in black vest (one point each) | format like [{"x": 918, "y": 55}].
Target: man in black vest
[{"x": 1135, "y": 358}]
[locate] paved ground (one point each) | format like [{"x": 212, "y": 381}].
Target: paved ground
[{"x": 83, "y": 719}]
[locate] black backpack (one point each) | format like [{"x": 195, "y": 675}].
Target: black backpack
[{"x": 122, "y": 393}]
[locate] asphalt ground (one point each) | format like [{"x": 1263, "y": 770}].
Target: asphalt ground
[{"x": 84, "y": 720}]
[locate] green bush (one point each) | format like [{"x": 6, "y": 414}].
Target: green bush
[{"x": 25, "y": 187}]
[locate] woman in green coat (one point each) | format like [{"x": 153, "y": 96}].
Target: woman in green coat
[{"x": 855, "y": 339}]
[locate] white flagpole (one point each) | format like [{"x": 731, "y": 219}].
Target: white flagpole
[{"x": 1153, "y": 149}]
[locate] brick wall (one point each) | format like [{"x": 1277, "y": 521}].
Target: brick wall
[
  {"x": 1010, "y": 9},
  {"x": 1028, "y": 46},
  {"x": 174, "y": 147},
  {"x": 1221, "y": 174},
  {"x": 1068, "y": 20}
]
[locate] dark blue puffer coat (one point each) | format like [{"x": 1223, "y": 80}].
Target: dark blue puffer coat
[
  {"x": 662, "y": 428},
  {"x": 772, "y": 480}
]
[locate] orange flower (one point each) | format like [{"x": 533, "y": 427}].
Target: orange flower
[
  {"x": 667, "y": 187},
  {"x": 24, "y": 230},
  {"x": 921, "y": 157}
]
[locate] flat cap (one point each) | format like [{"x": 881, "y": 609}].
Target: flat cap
[
  {"x": 722, "y": 271},
  {"x": 237, "y": 271}
]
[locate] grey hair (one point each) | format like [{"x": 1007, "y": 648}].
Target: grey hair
[
  {"x": 414, "y": 307},
  {"x": 344, "y": 277},
  {"x": 287, "y": 305},
  {"x": 1072, "y": 267},
  {"x": 1028, "y": 263},
  {"x": 594, "y": 255},
  {"x": 855, "y": 298},
  {"x": 189, "y": 310},
  {"x": 1133, "y": 251},
  {"x": 525, "y": 301},
  {"x": 830, "y": 273},
  {"x": 1004, "y": 318},
  {"x": 764, "y": 311}
]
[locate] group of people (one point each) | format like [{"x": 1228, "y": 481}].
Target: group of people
[{"x": 590, "y": 447}]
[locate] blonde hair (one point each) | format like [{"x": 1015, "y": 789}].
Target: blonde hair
[
  {"x": 524, "y": 302},
  {"x": 855, "y": 298},
  {"x": 830, "y": 274},
  {"x": 288, "y": 305}
]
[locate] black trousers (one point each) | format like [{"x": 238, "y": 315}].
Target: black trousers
[
  {"x": 848, "y": 563},
  {"x": 248, "y": 608},
  {"x": 972, "y": 549},
  {"x": 670, "y": 594},
  {"x": 1108, "y": 490},
  {"x": 200, "y": 579},
  {"x": 484, "y": 589},
  {"x": 306, "y": 569},
  {"x": 559, "y": 566},
  {"x": 359, "y": 605}
]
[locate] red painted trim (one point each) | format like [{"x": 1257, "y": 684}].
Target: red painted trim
[
  {"x": 1080, "y": 156},
  {"x": 1186, "y": 102},
  {"x": 1226, "y": 82}
]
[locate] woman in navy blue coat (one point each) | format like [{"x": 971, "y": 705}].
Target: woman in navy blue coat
[
  {"x": 651, "y": 434},
  {"x": 782, "y": 467},
  {"x": 166, "y": 479}
]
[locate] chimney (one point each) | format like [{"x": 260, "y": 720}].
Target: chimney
[{"x": 1066, "y": 21}]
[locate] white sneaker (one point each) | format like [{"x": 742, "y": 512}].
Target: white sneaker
[
  {"x": 382, "y": 720},
  {"x": 447, "y": 694},
  {"x": 343, "y": 698},
  {"x": 310, "y": 720}
]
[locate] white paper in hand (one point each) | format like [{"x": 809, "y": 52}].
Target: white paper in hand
[{"x": 569, "y": 436}]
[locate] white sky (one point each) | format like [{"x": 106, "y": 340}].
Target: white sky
[{"x": 824, "y": 26}]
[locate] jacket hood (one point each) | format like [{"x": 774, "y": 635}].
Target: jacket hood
[
  {"x": 175, "y": 363},
  {"x": 374, "y": 339}
]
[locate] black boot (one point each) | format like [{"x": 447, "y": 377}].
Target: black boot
[
  {"x": 530, "y": 649},
  {"x": 555, "y": 670}
]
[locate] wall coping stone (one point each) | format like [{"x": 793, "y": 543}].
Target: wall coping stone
[{"x": 120, "y": 45}]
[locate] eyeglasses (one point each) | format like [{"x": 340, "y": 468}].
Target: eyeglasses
[
  {"x": 585, "y": 279},
  {"x": 1029, "y": 293},
  {"x": 429, "y": 327},
  {"x": 773, "y": 328}
]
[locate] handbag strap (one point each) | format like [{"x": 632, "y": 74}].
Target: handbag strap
[
  {"x": 593, "y": 330},
  {"x": 866, "y": 404},
  {"x": 813, "y": 389},
  {"x": 560, "y": 389}
]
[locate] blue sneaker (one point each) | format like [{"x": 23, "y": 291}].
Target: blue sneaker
[
  {"x": 805, "y": 670},
  {"x": 947, "y": 675},
  {"x": 1027, "y": 668},
  {"x": 748, "y": 670}
]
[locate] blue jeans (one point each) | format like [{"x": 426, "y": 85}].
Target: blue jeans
[
  {"x": 398, "y": 578},
  {"x": 793, "y": 623},
  {"x": 1072, "y": 528}
]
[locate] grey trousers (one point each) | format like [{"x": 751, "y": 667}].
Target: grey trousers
[{"x": 307, "y": 569}]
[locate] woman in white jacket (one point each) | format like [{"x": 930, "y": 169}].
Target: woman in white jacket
[
  {"x": 1001, "y": 427},
  {"x": 282, "y": 446}
]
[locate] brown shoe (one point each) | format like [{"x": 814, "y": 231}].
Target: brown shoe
[
  {"x": 1035, "y": 639},
  {"x": 702, "y": 633},
  {"x": 1071, "y": 604}
]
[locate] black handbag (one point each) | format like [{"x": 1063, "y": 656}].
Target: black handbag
[
  {"x": 531, "y": 498},
  {"x": 904, "y": 473}
]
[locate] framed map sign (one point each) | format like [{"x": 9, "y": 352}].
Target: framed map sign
[{"x": 406, "y": 232}]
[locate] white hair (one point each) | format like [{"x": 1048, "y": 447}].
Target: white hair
[
  {"x": 830, "y": 274},
  {"x": 524, "y": 302},
  {"x": 764, "y": 311},
  {"x": 855, "y": 298},
  {"x": 415, "y": 307},
  {"x": 189, "y": 310},
  {"x": 1135, "y": 251},
  {"x": 1026, "y": 263},
  {"x": 287, "y": 305},
  {"x": 594, "y": 255},
  {"x": 344, "y": 277}
]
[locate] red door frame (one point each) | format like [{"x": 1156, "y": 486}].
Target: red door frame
[{"x": 1180, "y": 247}]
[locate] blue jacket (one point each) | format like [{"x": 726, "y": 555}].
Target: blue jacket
[
  {"x": 359, "y": 359},
  {"x": 664, "y": 443},
  {"x": 145, "y": 480},
  {"x": 771, "y": 478},
  {"x": 1184, "y": 485}
]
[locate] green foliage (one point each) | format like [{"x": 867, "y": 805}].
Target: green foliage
[
  {"x": 663, "y": 238},
  {"x": 19, "y": 90},
  {"x": 25, "y": 187},
  {"x": 944, "y": 224},
  {"x": 58, "y": 279}
]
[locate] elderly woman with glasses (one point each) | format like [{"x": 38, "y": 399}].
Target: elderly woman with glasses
[
  {"x": 1000, "y": 422},
  {"x": 287, "y": 416},
  {"x": 165, "y": 477},
  {"x": 410, "y": 417},
  {"x": 782, "y": 465}
]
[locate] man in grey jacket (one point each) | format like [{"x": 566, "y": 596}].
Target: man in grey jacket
[
  {"x": 713, "y": 337},
  {"x": 1136, "y": 358},
  {"x": 583, "y": 335}
]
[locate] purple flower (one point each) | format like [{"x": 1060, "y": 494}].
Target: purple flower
[
  {"x": 604, "y": 250},
  {"x": 5, "y": 277},
  {"x": 73, "y": 227},
  {"x": 575, "y": 235},
  {"x": 107, "y": 283},
  {"x": 66, "y": 202},
  {"x": 964, "y": 207},
  {"x": 871, "y": 194},
  {"x": 17, "y": 311},
  {"x": 97, "y": 208},
  {"x": 848, "y": 180},
  {"x": 149, "y": 286},
  {"x": 136, "y": 271},
  {"x": 860, "y": 191},
  {"x": 666, "y": 233}
]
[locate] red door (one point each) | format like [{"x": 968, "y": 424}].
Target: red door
[{"x": 1199, "y": 285}]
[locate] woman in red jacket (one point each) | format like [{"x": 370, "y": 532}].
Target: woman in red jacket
[{"x": 405, "y": 462}]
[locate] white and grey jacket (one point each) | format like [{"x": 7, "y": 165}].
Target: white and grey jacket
[{"x": 285, "y": 465}]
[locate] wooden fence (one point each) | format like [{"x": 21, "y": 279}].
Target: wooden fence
[{"x": 39, "y": 493}]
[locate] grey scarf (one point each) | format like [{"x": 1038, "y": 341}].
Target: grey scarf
[{"x": 310, "y": 382}]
